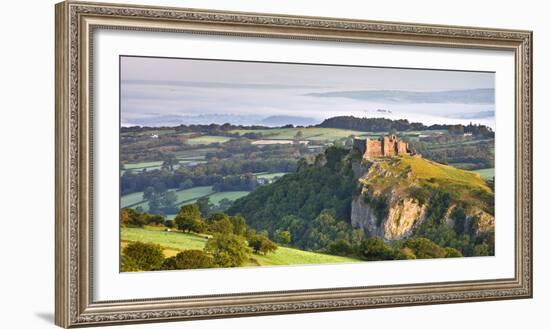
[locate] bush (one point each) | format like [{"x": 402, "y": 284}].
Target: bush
[
  {"x": 452, "y": 252},
  {"x": 375, "y": 249},
  {"x": 340, "y": 247},
  {"x": 405, "y": 253},
  {"x": 169, "y": 223},
  {"x": 424, "y": 248},
  {"x": 228, "y": 250},
  {"x": 141, "y": 256},
  {"x": 188, "y": 259}
]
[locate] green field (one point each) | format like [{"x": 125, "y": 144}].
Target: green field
[
  {"x": 205, "y": 140},
  {"x": 270, "y": 175},
  {"x": 322, "y": 134},
  {"x": 176, "y": 241},
  {"x": 141, "y": 165},
  {"x": 487, "y": 173},
  {"x": 192, "y": 194},
  {"x": 131, "y": 200},
  {"x": 231, "y": 195},
  {"x": 184, "y": 197},
  {"x": 308, "y": 133}
]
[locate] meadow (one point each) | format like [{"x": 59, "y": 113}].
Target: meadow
[
  {"x": 173, "y": 242},
  {"x": 185, "y": 196}
]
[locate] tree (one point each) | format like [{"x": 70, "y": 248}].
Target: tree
[
  {"x": 340, "y": 247},
  {"x": 124, "y": 217},
  {"x": 282, "y": 237},
  {"x": 169, "y": 223},
  {"x": 129, "y": 216},
  {"x": 239, "y": 224},
  {"x": 189, "y": 219},
  {"x": 188, "y": 183},
  {"x": 261, "y": 244},
  {"x": 170, "y": 162},
  {"x": 204, "y": 205},
  {"x": 189, "y": 259},
  {"x": 142, "y": 256},
  {"x": 156, "y": 219},
  {"x": 228, "y": 250},
  {"x": 375, "y": 249},
  {"x": 299, "y": 135},
  {"x": 148, "y": 193},
  {"x": 424, "y": 248},
  {"x": 222, "y": 224}
]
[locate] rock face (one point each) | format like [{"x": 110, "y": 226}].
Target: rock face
[
  {"x": 397, "y": 192},
  {"x": 403, "y": 216}
]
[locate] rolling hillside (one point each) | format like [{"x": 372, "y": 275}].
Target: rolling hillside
[{"x": 174, "y": 242}]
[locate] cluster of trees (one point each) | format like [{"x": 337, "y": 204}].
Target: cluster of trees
[
  {"x": 230, "y": 243},
  {"x": 215, "y": 172},
  {"x": 313, "y": 205},
  {"x": 477, "y": 155},
  {"x": 463, "y": 235},
  {"x": 385, "y": 125},
  {"x": 131, "y": 217}
]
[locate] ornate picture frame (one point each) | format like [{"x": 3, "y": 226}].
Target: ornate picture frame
[{"x": 75, "y": 25}]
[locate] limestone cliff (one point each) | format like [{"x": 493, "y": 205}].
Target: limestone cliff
[{"x": 398, "y": 194}]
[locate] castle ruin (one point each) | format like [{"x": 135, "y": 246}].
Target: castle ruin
[{"x": 385, "y": 146}]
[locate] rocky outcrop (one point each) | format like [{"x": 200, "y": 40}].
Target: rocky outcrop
[
  {"x": 397, "y": 192},
  {"x": 403, "y": 216}
]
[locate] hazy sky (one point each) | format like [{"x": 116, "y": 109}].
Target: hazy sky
[{"x": 160, "y": 91}]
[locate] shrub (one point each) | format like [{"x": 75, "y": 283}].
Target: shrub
[
  {"x": 228, "y": 250},
  {"x": 188, "y": 259},
  {"x": 169, "y": 223},
  {"x": 340, "y": 247},
  {"x": 375, "y": 249},
  {"x": 452, "y": 252},
  {"x": 482, "y": 250},
  {"x": 424, "y": 248},
  {"x": 405, "y": 253},
  {"x": 142, "y": 256}
]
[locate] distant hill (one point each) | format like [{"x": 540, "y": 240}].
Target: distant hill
[
  {"x": 467, "y": 96},
  {"x": 386, "y": 125}
]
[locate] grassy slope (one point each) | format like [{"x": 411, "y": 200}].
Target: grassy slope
[
  {"x": 407, "y": 171},
  {"x": 175, "y": 241}
]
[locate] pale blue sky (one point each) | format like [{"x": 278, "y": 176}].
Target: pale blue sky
[{"x": 160, "y": 91}]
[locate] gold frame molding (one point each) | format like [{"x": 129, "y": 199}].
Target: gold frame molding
[{"x": 75, "y": 24}]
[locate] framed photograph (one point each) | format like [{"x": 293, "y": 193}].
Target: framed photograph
[{"x": 219, "y": 164}]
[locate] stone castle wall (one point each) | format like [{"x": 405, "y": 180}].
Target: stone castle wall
[{"x": 384, "y": 146}]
